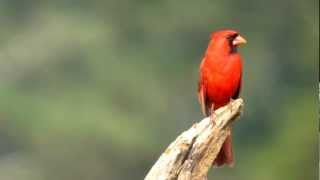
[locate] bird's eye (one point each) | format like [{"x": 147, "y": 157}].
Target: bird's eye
[{"x": 232, "y": 37}]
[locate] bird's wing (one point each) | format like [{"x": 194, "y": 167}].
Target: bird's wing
[
  {"x": 237, "y": 93},
  {"x": 202, "y": 98},
  {"x": 202, "y": 94}
]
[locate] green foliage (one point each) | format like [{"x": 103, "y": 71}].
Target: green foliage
[{"x": 97, "y": 90}]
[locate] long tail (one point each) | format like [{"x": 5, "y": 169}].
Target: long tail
[{"x": 225, "y": 155}]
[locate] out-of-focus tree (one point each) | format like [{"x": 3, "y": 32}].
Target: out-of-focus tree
[{"x": 97, "y": 90}]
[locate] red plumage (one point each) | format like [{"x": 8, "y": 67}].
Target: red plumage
[{"x": 220, "y": 80}]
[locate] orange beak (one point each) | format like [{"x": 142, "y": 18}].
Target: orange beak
[{"x": 239, "y": 40}]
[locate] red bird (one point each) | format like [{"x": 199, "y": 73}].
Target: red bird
[{"x": 220, "y": 80}]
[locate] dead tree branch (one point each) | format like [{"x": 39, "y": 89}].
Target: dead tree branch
[{"x": 191, "y": 155}]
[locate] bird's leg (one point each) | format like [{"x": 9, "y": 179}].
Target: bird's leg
[{"x": 213, "y": 114}]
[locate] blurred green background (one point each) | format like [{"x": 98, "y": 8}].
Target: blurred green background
[{"x": 96, "y": 90}]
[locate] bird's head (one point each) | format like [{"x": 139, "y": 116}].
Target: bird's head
[{"x": 226, "y": 41}]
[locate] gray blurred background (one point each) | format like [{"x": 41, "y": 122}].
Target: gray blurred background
[{"x": 96, "y": 90}]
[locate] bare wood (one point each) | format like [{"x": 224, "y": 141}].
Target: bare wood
[{"x": 191, "y": 155}]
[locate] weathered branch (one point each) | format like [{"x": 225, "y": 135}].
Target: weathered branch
[{"x": 191, "y": 155}]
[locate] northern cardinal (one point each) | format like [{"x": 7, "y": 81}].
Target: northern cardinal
[{"x": 220, "y": 80}]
